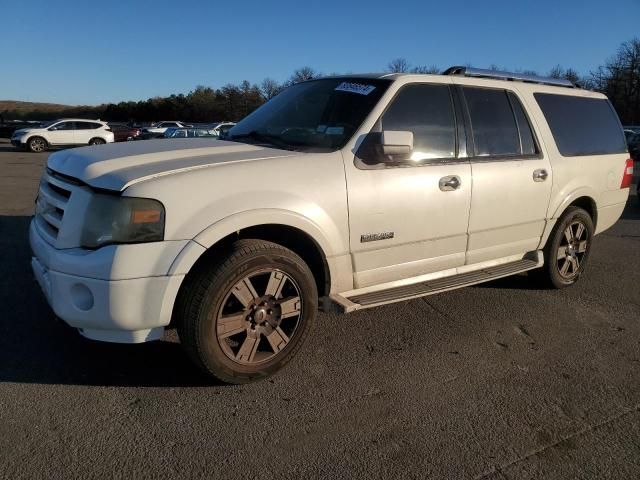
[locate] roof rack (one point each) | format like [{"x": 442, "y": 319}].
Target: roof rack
[{"x": 499, "y": 75}]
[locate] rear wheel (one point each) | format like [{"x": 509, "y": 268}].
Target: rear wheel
[
  {"x": 97, "y": 141},
  {"x": 245, "y": 316},
  {"x": 567, "y": 250},
  {"x": 37, "y": 144}
]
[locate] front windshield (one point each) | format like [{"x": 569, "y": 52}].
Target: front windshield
[{"x": 318, "y": 115}]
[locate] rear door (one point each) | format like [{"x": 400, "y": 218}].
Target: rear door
[
  {"x": 404, "y": 221},
  {"x": 512, "y": 177},
  {"x": 85, "y": 131}
]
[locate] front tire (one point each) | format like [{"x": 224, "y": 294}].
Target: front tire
[
  {"x": 37, "y": 144},
  {"x": 567, "y": 250},
  {"x": 243, "y": 316}
]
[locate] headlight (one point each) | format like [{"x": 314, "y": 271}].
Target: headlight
[{"x": 113, "y": 219}]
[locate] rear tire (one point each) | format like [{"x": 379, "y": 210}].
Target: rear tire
[
  {"x": 244, "y": 315},
  {"x": 567, "y": 250},
  {"x": 97, "y": 141},
  {"x": 37, "y": 144}
]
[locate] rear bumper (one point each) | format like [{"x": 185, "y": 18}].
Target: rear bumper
[{"x": 131, "y": 310}]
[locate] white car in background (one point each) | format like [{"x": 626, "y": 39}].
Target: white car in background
[
  {"x": 221, "y": 128},
  {"x": 162, "y": 127},
  {"x": 63, "y": 132}
]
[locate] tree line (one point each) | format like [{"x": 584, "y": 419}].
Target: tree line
[{"x": 618, "y": 78}]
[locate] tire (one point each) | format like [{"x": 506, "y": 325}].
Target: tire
[
  {"x": 37, "y": 144},
  {"x": 244, "y": 315},
  {"x": 97, "y": 141},
  {"x": 565, "y": 259}
]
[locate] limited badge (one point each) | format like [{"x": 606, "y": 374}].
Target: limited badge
[{"x": 372, "y": 237}]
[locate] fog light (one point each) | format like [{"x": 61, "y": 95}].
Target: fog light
[{"x": 81, "y": 297}]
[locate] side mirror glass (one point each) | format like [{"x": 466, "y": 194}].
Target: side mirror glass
[{"x": 397, "y": 143}]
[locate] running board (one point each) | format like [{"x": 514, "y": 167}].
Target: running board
[{"x": 431, "y": 287}]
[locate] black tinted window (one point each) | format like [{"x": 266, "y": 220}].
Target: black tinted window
[
  {"x": 427, "y": 111},
  {"x": 524, "y": 127},
  {"x": 581, "y": 125},
  {"x": 492, "y": 121},
  {"x": 64, "y": 126},
  {"x": 87, "y": 125}
]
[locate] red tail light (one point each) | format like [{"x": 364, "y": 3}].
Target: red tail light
[{"x": 628, "y": 174}]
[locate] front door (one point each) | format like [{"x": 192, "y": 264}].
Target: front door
[
  {"x": 62, "y": 133},
  {"x": 409, "y": 217}
]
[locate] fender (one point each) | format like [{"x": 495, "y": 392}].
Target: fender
[
  {"x": 566, "y": 201},
  {"x": 233, "y": 223}
]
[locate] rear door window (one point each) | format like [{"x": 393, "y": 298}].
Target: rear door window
[
  {"x": 493, "y": 124},
  {"x": 582, "y": 125},
  {"x": 527, "y": 139}
]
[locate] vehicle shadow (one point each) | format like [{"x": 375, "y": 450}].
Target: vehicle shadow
[
  {"x": 36, "y": 347},
  {"x": 632, "y": 209}
]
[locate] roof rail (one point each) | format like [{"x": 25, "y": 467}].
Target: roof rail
[{"x": 499, "y": 75}]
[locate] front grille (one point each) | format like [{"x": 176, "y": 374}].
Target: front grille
[{"x": 53, "y": 196}]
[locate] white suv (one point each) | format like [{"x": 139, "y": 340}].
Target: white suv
[
  {"x": 64, "y": 132},
  {"x": 342, "y": 193}
]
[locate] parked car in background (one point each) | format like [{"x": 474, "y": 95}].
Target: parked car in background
[
  {"x": 123, "y": 133},
  {"x": 190, "y": 133},
  {"x": 221, "y": 128},
  {"x": 633, "y": 141},
  {"x": 161, "y": 127},
  {"x": 63, "y": 132}
]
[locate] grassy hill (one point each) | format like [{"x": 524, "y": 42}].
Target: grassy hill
[{"x": 24, "y": 107}]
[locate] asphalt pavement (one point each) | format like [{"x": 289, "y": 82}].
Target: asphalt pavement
[{"x": 498, "y": 381}]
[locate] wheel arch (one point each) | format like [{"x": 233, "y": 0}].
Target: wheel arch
[
  {"x": 583, "y": 198},
  {"x": 214, "y": 240},
  {"x": 37, "y": 135}
]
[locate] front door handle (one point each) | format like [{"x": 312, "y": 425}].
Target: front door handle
[
  {"x": 540, "y": 175},
  {"x": 450, "y": 182}
]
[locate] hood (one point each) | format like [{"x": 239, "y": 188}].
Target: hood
[
  {"x": 20, "y": 131},
  {"x": 115, "y": 166}
]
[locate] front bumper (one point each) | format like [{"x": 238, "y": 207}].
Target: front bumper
[
  {"x": 17, "y": 143},
  {"x": 130, "y": 310}
]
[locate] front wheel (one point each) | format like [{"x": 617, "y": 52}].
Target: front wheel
[
  {"x": 567, "y": 250},
  {"x": 244, "y": 316},
  {"x": 37, "y": 144}
]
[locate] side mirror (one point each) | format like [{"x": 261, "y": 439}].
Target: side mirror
[
  {"x": 53, "y": 129},
  {"x": 397, "y": 142}
]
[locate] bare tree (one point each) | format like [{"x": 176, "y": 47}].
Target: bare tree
[
  {"x": 432, "y": 69},
  {"x": 398, "y": 65},
  {"x": 269, "y": 88},
  {"x": 303, "y": 74}
]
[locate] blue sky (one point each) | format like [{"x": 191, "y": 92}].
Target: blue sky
[{"x": 90, "y": 52}]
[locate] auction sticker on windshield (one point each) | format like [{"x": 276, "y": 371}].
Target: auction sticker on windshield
[{"x": 355, "y": 88}]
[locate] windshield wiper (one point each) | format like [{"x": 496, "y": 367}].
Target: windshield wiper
[{"x": 264, "y": 138}]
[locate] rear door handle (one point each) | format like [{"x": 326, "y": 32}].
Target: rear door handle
[
  {"x": 450, "y": 182},
  {"x": 540, "y": 175}
]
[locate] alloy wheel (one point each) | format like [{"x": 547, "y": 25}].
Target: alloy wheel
[
  {"x": 37, "y": 145},
  {"x": 254, "y": 327},
  {"x": 572, "y": 249}
]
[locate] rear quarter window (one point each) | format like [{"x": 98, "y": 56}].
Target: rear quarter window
[{"x": 582, "y": 125}]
